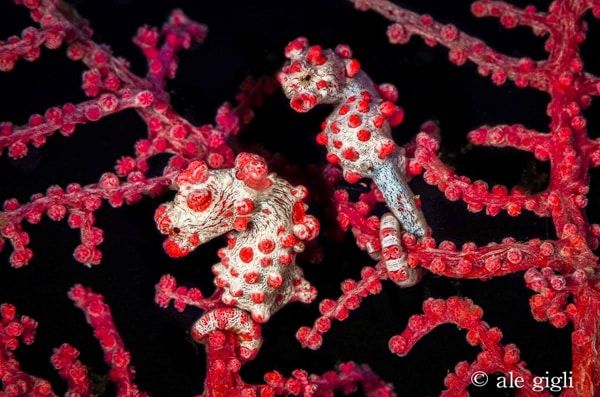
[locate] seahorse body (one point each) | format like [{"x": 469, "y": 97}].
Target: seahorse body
[
  {"x": 267, "y": 222},
  {"x": 357, "y": 133}
]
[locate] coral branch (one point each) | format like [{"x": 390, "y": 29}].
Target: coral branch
[
  {"x": 167, "y": 290},
  {"x": 353, "y": 293},
  {"x": 98, "y": 315},
  {"x": 494, "y": 357},
  {"x": 178, "y": 33},
  {"x": 494, "y": 259},
  {"x": 28, "y": 46},
  {"x": 516, "y": 136},
  {"x": 476, "y": 194},
  {"x": 523, "y": 71},
  {"x": 511, "y": 16},
  {"x": 78, "y": 204},
  {"x": 107, "y": 74},
  {"x": 72, "y": 370},
  {"x": 66, "y": 118},
  {"x": 14, "y": 331},
  {"x": 345, "y": 379}
]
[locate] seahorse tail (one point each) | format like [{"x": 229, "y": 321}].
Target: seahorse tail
[
  {"x": 399, "y": 198},
  {"x": 233, "y": 320}
]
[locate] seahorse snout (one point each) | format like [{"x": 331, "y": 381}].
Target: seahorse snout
[{"x": 303, "y": 102}]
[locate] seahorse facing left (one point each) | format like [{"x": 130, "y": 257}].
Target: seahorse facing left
[
  {"x": 267, "y": 224},
  {"x": 357, "y": 133}
]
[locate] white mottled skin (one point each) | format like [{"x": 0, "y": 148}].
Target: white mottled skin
[
  {"x": 261, "y": 282},
  {"x": 357, "y": 157},
  {"x": 271, "y": 219}
]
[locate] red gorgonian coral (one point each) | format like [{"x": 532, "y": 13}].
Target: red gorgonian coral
[{"x": 520, "y": 288}]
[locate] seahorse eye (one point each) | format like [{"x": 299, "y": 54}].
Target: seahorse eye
[
  {"x": 199, "y": 200},
  {"x": 307, "y": 78}
]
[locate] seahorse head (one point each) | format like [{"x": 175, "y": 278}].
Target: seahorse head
[
  {"x": 313, "y": 75},
  {"x": 210, "y": 203}
]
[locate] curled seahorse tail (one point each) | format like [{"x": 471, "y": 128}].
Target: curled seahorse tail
[
  {"x": 233, "y": 320},
  {"x": 393, "y": 255}
]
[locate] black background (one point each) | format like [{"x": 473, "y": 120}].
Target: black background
[{"x": 247, "y": 38}]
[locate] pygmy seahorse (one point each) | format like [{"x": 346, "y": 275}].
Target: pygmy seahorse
[
  {"x": 267, "y": 222},
  {"x": 357, "y": 133}
]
